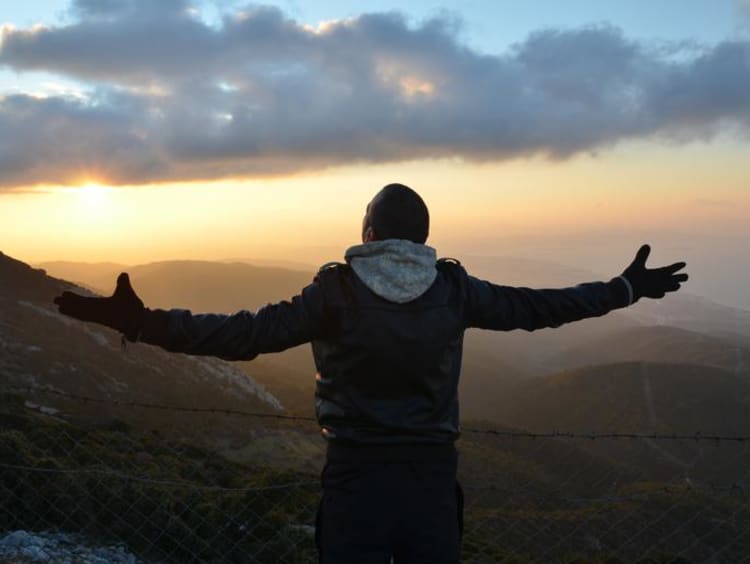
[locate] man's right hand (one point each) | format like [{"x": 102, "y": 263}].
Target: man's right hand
[
  {"x": 122, "y": 311},
  {"x": 653, "y": 282}
]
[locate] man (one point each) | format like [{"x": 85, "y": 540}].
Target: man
[{"x": 386, "y": 330}]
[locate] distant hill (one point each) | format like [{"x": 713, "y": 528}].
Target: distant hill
[
  {"x": 659, "y": 344},
  {"x": 199, "y": 285},
  {"x": 44, "y": 349},
  {"x": 686, "y": 311},
  {"x": 634, "y": 397},
  {"x": 95, "y": 275},
  {"x": 641, "y": 398}
]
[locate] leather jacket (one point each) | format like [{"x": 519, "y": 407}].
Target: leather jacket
[{"x": 387, "y": 371}]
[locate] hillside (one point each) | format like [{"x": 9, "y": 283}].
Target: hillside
[
  {"x": 198, "y": 285},
  {"x": 659, "y": 344},
  {"x": 171, "y": 501},
  {"x": 44, "y": 349},
  {"x": 167, "y": 500},
  {"x": 634, "y": 397},
  {"x": 641, "y": 398},
  {"x": 694, "y": 313},
  {"x": 90, "y": 274}
]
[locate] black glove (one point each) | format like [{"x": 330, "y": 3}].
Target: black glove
[
  {"x": 123, "y": 311},
  {"x": 655, "y": 282}
]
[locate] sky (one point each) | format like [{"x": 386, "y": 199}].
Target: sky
[{"x": 134, "y": 131}]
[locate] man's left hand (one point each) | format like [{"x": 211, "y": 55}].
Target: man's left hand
[{"x": 653, "y": 282}]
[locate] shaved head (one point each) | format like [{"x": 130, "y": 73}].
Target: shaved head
[{"x": 396, "y": 212}]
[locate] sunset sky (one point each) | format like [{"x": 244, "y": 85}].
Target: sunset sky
[{"x": 136, "y": 130}]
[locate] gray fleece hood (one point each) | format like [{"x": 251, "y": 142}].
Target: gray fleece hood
[{"x": 395, "y": 269}]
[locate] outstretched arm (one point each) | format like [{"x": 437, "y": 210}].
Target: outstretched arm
[
  {"x": 491, "y": 306},
  {"x": 240, "y": 336}
]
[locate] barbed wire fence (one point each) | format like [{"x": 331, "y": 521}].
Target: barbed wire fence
[{"x": 223, "y": 485}]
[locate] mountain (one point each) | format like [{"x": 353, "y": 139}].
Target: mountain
[
  {"x": 94, "y": 275},
  {"x": 659, "y": 344},
  {"x": 694, "y": 313},
  {"x": 44, "y": 350},
  {"x": 634, "y": 397},
  {"x": 641, "y": 398},
  {"x": 199, "y": 285}
]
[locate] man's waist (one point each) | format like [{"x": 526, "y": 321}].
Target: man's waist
[{"x": 349, "y": 450}]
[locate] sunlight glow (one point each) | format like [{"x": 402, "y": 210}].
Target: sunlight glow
[
  {"x": 93, "y": 196},
  {"x": 410, "y": 81},
  {"x": 698, "y": 192},
  {"x": 413, "y": 86}
]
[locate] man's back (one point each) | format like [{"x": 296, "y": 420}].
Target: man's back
[{"x": 388, "y": 372}]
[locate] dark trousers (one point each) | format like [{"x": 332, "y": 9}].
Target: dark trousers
[{"x": 383, "y": 504}]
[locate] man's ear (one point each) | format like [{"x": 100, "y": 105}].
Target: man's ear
[{"x": 369, "y": 235}]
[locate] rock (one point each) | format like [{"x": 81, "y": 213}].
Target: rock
[
  {"x": 16, "y": 538},
  {"x": 62, "y": 548}
]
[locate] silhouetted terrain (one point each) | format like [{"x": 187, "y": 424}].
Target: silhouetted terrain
[{"x": 97, "y": 275}]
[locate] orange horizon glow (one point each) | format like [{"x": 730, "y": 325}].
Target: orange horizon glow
[{"x": 699, "y": 188}]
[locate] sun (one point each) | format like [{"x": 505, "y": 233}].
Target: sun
[
  {"x": 93, "y": 195},
  {"x": 95, "y": 202}
]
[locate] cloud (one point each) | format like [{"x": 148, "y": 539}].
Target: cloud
[{"x": 172, "y": 98}]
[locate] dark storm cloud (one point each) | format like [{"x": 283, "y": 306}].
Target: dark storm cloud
[{"x": 173, "y": 98}]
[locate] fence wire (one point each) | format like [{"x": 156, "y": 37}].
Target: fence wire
[{"x": 219, "y": 485}]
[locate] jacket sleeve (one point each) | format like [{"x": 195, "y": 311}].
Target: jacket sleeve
[
  {"x": 242, "y": 335},
  {"x": 490, "y": 306}
]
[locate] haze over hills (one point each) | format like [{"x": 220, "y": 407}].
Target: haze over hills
[
  {"x": 197, "y": 285},
  {"x": 88, "y": 274}
]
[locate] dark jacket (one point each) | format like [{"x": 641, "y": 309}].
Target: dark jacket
[{"x": 387, "y": 367}]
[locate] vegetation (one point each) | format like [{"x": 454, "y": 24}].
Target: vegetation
[
  {"x": 172, "y": 501},
  {"x": 166, "y": 501}
]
